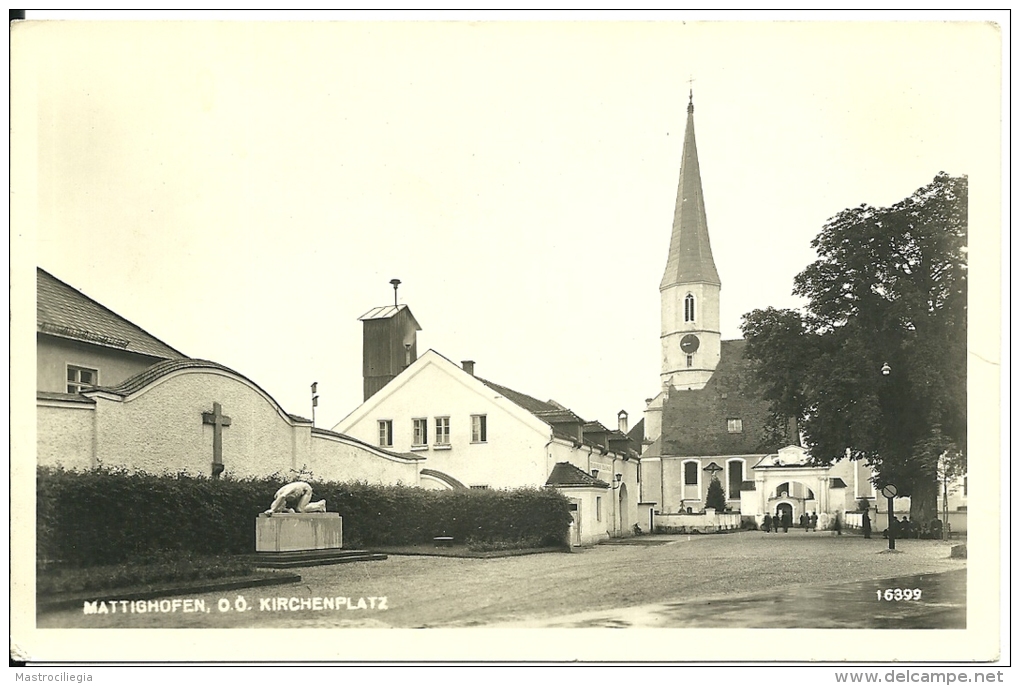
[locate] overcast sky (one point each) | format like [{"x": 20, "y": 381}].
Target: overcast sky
[{"x": 245, "y": 191}]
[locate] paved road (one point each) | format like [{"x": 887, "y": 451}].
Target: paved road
[{"x": 747, "y": 579}]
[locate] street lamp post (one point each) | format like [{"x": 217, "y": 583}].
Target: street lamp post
[{"x": 890, "y": 492}]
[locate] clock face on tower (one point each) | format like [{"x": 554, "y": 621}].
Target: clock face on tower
[{"x": 690, "y": 343}]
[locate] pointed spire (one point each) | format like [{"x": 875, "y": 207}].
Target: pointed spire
[{"x": 690, "y": 253}]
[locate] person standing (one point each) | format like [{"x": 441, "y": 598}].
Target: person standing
[
  {"x": 803, "y": 521},
  {"x": 866, "y": 524},
  {"x": 766, "y": 524},
  {"x": 814, "y": 521},
  {"x": 837, "y": 526},
  {"x": 787, "y": 521}
]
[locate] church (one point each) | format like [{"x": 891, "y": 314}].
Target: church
[{"x": 708, "y": 420}]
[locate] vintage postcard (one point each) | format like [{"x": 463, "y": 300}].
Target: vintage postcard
[{"x": 503, "y": 334}]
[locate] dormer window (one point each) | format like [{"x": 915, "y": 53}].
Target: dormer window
[{"x": 689, "y": 308}]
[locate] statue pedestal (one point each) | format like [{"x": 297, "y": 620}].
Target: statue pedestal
[{"x": 282, "y": 533}]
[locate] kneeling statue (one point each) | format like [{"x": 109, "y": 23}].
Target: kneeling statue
[{"x": 295, "y": 497}]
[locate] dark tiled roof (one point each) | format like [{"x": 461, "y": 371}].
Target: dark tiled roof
[
  {"x": 747, "y": 486},
  {"x": 838, "y": 482},
  {"x": 65, "y": 312},
  {"x": 530, "y": 404},
  {"x": 637, "y": 432},
  {"x": 445, "y": 478},
  {"x": 694, "y": 422},
  {"x": 566, "y": 474}
]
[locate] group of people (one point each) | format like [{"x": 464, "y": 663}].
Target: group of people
[
  {"x": 809, "y": 521},
  {"x": 904, "y": 528}
]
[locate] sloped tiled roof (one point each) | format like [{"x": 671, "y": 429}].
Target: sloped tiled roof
[
  {"x": 532, "y": 405},
  {"x": 637, "y": 432},
  {"x": 566, "y": 474},
  {"x": 695, "y": 422},
  {"x": 66, "y": 312}
]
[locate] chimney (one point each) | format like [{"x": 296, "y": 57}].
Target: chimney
[
  {"x": 621, "y": 419},
  {"x": 469, "y": 366}
]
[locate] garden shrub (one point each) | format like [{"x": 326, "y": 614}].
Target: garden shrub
[{"x": 108, "y": 516}]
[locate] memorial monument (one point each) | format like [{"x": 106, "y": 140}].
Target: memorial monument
[{"x": 297, "y": 532}]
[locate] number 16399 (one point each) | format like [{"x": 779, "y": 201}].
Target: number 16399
[{"x": 898, "y": 594}]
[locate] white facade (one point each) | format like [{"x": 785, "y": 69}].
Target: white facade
[{"x": 518, "y": 450}]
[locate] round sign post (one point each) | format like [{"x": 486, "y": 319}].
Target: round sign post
[{"x": 890, "y": 491}]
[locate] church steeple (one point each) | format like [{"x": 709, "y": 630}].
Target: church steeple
[
  {"x": 690, "y": 253},
  {"x": 689, "y": 291}
]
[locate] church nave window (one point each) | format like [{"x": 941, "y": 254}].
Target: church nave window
[
  {"x": 690, "y": 361},
  {"x": 689, "y": 308},
  {"x": 80, "y": 378},
  {"x": 691, "y": 473},
  {"x": 386, "y": 433}
]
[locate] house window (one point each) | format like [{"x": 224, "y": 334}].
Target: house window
[
  {"x": 478, "y": 428},
  {"x": 421, "y": 432},
  {"x": 386, "y": 433},
  {"x": 598, "y": 508},
  {"x": 481, "y": 487},
  {"x": 442, "y": 431},
  {"x": 734, "y": 426},
  {"x": 80, "y": 378},
  {"x": 690, "y": 361},
  {"x": 689, "y": 308}
]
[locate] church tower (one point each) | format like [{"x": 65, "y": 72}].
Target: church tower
[{"x": 689, "y": 291}]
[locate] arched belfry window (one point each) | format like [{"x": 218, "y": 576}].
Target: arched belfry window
[{"x": 689, "y": 308}]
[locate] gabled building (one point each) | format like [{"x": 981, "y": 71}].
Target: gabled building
[
  {"x": 480, "y": 434},
  {"x": 80, "y": 343}
]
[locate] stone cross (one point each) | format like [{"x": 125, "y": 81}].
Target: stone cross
[{"x": 218, "y": 421}]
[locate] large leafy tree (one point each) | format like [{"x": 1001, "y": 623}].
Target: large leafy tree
[{"x": 875, "y": 366}]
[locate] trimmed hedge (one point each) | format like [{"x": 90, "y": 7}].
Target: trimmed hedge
[{"x": 108, "y": 516}]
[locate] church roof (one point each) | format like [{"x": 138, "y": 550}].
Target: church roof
[
  {"x": 690, "y": 253},
  {"x": 566, "y": 474},
  {"x": 66, "y": 312},
  {"x": 696, "y": 422}
]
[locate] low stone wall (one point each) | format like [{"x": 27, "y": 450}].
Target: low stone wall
[{"x": 709, "y": 522}]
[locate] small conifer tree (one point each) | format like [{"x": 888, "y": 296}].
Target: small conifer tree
[{"x": 715, "y": 498}]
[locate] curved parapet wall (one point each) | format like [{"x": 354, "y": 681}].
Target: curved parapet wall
[{"x": 161, "y": 420}]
